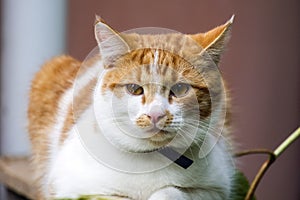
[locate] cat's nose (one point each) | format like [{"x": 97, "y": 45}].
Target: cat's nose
[
  {"x": 156, "y": 116},
  {"x": 156, "y": 113}
]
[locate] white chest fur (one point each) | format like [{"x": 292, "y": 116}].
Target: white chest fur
[{"x": 74, "y": 172}]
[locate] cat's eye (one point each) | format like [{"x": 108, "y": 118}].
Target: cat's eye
[
  {"x": 134, "y": 89},
  {"x": 179, "y": 90}
]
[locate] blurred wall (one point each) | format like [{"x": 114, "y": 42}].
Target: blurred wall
[
  {"x": 262, "y": 66},
  {"x": 32, "y": 31},
  {"x": 1, "y": 16}
]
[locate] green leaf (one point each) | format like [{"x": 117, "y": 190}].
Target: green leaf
[{"x": 240, "y": 187}]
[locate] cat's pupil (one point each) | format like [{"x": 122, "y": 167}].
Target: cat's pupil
[
  {"x": 179, "y": 89},
  {"x": 135, "y": 89}
]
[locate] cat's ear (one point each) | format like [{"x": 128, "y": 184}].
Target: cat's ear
[
  {"x": 214, "y": 41},
  {"x": 110, "y": 42}
]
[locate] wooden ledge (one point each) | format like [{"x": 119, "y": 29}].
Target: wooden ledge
[{"x": 16, "y": 174}]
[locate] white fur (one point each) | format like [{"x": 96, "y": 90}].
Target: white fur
[
  {"x": 73, "y": 171},
  {"x": 156, "y": 57},
  {"x": 154, "y": 67}
]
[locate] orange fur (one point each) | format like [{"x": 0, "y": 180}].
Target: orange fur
[{"x": 206, "y": 39}]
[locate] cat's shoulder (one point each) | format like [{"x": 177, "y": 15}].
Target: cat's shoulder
[
  {"x": 55, "y": 77},
  {"x": 49, "y": 84},
  {"x": 60, "y": 69}
]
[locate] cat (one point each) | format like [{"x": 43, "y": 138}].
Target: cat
[{"x": 141, "y": 93}]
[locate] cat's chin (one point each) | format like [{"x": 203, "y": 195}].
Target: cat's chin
[
  {"x": 161, "y": 139},
  {"x": 161, "y": 136},
  {"x": 153, "y": 143}
]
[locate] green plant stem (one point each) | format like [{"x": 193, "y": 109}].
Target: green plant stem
[
  {"x": 281, "y": 148},
  {"x": 272, "y": 157}
]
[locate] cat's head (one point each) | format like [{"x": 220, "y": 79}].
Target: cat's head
[{"x": 159, "y": 89}]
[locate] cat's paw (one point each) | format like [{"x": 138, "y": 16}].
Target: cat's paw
[
  {"x": 169, "y": 193},
  {"x": 112, "y": 198}
]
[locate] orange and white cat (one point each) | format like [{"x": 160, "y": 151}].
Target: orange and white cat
[{"x": 151, "y": 95}]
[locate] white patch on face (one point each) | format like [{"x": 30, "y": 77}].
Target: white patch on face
[
  {"x": 154, "y": 67},
  {"x": 156, "y": 57}
]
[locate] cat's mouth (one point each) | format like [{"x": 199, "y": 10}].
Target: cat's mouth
[
  {"x": 160, "y": 138},
  {"x": 156, "y": 130},
  {"x": 157, "y": 133}
]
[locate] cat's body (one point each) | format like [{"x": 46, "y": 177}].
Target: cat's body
[{"x": 68, "y": 100}]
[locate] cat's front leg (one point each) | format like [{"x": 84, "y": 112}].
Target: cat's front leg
[
  {"x": 173, "y": 193},
  {"x": 168, "y": 194}
]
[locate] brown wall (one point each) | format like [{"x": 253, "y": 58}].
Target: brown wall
[
  {"x": 1, "y": 17},
  {"x": 262, "y": 66}
]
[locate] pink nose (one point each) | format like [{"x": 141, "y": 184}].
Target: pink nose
[{"x": 156, "y": 116}]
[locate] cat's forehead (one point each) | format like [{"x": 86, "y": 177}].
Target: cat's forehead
[
  {"x": 177, "y": 43},
  {"x": 153, "y": 60},
  {"x": 153, "y": 66}
]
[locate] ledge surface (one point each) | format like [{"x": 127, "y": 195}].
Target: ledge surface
[{"x": 16, "y": 174}]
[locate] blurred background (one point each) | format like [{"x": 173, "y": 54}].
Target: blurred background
[{"x": 261, "y": 65}]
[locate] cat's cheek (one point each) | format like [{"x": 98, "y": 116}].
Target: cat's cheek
[
  {"x": 174, "y": 108},
  {"x": 134, "y": 107}
]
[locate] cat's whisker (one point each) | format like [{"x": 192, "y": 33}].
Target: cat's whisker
[
  {"x": 201, "y": 123},
  {"x": 201, "y": 139},
  {"x": 194, "y": 139},
  {"x": 198, "y": 143}
]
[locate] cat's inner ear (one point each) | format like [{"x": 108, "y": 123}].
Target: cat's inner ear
[
  {"x": 214, "y": 41},
  {"x": 110, "y": 42}
]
